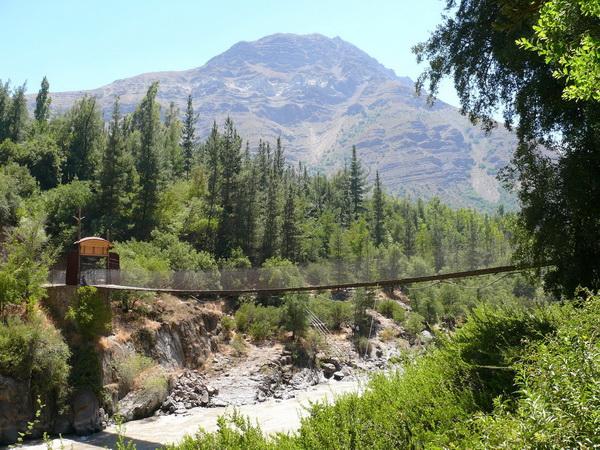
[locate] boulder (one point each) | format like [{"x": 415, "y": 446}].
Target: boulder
[
  {"x": 140, "y": 404},
  {"x": 338, "y": 376},
  {"x": 15, "y": 409},
  {"x": 328, "y": 369},
  {"x": 87, "y": 416}
]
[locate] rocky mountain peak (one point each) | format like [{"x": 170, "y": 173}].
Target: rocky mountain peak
[{"x": 322, "y": 95}]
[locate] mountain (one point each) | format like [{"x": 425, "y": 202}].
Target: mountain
[{"x": 322, "y": 96}]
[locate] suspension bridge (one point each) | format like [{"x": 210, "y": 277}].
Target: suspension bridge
[{"x": 273, "y": 281}]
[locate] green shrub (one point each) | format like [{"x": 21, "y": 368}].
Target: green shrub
[
  {"x": 295, "y": 315},
  {"x": 362, "y": 300},
  {"x": 261, "y": 322},
  {"x": 334, "y": 313},
  {"x": 239, "y": 346},
  {"x": 228, "y": 325},
  {"x": 234, "y": 432},
  {"x": 399, "y": 314},
  {"x": 91, "y": 313},
  {"x": 86, "y": 372},
  {"x": 559, "y": 403},
  {"x": 363, "y": 346},
  {"x": 511, "y": 377},
  {"x": 129, "y": 366},
  {"x": 35, "y": 351},
  {"x": 156, "y": 381},
  {"x": 391, "y": 310},
  {"x": 414, "y": 323}
]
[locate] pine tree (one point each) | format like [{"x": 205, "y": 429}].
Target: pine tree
[
  {"x": 278, "y": 161},
  {"x": 357, "y": 184},
  {"x": 5, "y": 104},
  {"x": 248, "y": 206},
  {"x": 228, "y": 236},
  {"x": 173, "y": 160},
  {"x": 17, "y": 115},
  {"x": 82, "y": 137},
  {"x": 42, "y": 102},
  {"x": 378, "y": 213},
  {"x": 147, "y": 122},
  {"x": 289, "y": 232},
  {"x": 212, "y": 152},
  {"x": 115, "y": 180},
  {"x": 189, "y": 136},
  {"x": 347, "y": 200},
  {"x": 270, "y": 237}
]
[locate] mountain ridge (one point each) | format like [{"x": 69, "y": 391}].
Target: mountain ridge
[{"x": 322, "y": 95}]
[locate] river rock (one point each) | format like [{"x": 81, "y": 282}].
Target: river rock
[
  {"x": 338, "y": 376},
  {"x": 15, "y": 408},
  {"x": 328, "y": 369},
  {"x": 140, "y": 404},
  {"x": 87, "y": 416}
]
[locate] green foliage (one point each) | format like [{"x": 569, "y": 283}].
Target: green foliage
[
  {"x": 510, "y": 378},
  {"x": 128, "y": 366},
  {"x": 261, "y": 322},
  {"x": 559, "y": 396},
  {"x": 86, "y": 372},
  {"x": 34, "y": 351},
  {"x": 566, "y": 39},
  {"x": 362, "y": 300},
  {"x": 279, "y": 272},
  {"x": 391, "y": 310},
  {"x": 334, "y": 313},
  {"x": 234, "y": 432},
  {"x": 295, "y": 314},
  {"x": 91, "y": 313},
  {"x": 25, "y": 268},
  {"x": 415, "y": 323},
  {"x": 476, "y": 44},
  {"x": 228, "y": 325}
]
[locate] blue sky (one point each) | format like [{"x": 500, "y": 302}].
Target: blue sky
[{"x": 83, "y": 44}]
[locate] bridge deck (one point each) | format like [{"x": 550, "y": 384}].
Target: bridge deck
[{"x": 326, "y": 287}]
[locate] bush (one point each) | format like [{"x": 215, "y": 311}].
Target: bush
[
  {"x": 559, "y": 405},
  {"x": 414, "y": 323},
  {"x": 295, "y": 315},
  {"x": 388, "y": 334},
  {"x": 35, "y": 351},
  {"x": 280, "y": 272},
  {"x": 261, "y": 322},
  {"x": 129, "y": 366},
  {"x": 334, "y": 313},
  {"x": 363, "y": 346},
  {"x": 391, "y": 310},
  {"x": 239, "y": 345},
  {"x": 305, "y": 349},
  {"x": 91, "y": 313},
  {"x": 155, "y": 380},
  {"x": 228, "y": 325},
  {"x": 362, "y": 300},
  {"x": 509, "y": 378}
]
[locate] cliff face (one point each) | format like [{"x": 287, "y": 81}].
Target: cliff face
[
  {"x": 322, "y": 96},
  {"x": 168, "y": 334}
]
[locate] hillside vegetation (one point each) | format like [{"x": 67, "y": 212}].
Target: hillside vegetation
[{"x": 509, "y": 378}]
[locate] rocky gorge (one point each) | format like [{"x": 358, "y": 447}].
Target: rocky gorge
[{"x": 176, "y": 357}]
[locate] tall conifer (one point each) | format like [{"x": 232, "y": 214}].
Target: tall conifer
[
  {"x": 189, "y": 136},
  {"x": 42, "y": 102}
]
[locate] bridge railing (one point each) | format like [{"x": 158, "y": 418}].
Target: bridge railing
[
  {"x": 325, "y": 272},
  {"x": 315, "y": 274}
]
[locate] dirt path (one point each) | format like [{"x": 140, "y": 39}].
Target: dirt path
[{"x": 272, "y": 415}]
